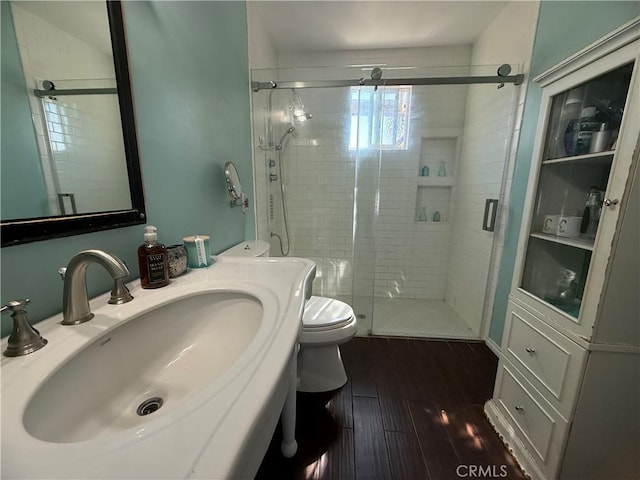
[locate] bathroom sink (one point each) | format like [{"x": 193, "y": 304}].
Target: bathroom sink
[
  {"x": 146, "y": 367},
  {"x": 185, "y": 381}
]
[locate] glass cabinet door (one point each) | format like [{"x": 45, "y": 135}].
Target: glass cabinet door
[{"x": 577, "y": 156}]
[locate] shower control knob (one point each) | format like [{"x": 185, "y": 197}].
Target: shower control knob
[
  {"x": 530, "y": 350},
  {"x": 519, "y": 408},
  {"x": 610, "y": 202}
]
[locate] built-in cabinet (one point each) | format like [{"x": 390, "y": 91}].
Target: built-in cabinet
[{"x": 567, "y": 392}]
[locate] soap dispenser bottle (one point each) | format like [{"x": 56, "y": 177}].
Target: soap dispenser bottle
[{"x": 153, "y": 260}]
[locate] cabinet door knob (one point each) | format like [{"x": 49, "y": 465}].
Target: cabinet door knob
[
  {"x": 519, "y": 408},
  {"x": 530, "y": 350},
  {"x": 609, "y": 202}
]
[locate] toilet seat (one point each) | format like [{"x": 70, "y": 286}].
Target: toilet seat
[
  {"x": 327, "y": 322},
  {"x": 321, "y": 313}
]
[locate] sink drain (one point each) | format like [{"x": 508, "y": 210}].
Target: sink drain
[{"x": 149, "y": 406}]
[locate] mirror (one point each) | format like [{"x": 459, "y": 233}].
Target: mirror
[
  {"x": 69, "y": 154},
  {"x": 234, "y": 188}
]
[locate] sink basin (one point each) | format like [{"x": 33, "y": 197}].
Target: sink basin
[
  {"x": 144, "y": 368},
  {"x": 186, "y": 381}
]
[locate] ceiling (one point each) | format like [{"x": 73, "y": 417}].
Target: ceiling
[
  {"x": 84, "y": 20},
  {"x": 313, "y": 25},
  {"x": 364, "y": 24}
]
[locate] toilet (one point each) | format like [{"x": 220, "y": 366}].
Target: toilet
[{"x": 326, "y": 324}]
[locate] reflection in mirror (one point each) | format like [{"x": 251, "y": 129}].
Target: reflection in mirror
[
  {"x": 84, "y": 164},
  {"x": 84, "y": 175}
]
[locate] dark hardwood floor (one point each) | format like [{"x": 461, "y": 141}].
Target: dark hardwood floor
[{"x": 411, "y": 410}]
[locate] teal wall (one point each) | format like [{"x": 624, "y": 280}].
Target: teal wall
[
  {"x": 563, "y": 29},
  {"x": 190, "y": 74},
  {"x": 21, "y": 169},
  {"x": 189, "y": 70}
]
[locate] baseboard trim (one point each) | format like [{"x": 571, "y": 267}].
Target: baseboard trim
[
  {"x": 493, "y": 346},
  {"x": 513, "y": 443}
]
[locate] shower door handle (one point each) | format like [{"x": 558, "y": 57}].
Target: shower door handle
[{"x": 490, "y": 212}]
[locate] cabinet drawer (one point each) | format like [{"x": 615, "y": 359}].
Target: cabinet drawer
[
  {"x": 548, "y": 359},
  {"x": 539, "y": 426}
]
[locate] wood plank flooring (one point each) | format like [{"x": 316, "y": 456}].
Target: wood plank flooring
[{"x": 411, "y": 410}]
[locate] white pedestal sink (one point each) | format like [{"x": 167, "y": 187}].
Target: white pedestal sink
[{"x": 186, "y": 381}]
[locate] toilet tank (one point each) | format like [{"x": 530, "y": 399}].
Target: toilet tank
[{"x": 252, "y": 248}]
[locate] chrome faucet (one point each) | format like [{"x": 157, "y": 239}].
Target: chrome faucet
[{"x": 75, "y": 301}]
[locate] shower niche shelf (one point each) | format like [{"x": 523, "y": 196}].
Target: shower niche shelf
[
  {"x": 438, "y": 152},
  {"x": 435, "y": 181},
  {"x": 434, "y": 191},
  {"x": 433, "y": 199}
]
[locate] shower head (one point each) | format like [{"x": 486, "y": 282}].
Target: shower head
[
  {"x": 285, "y": 135},
  {"x": 376, "y": 73},
  {"x": 297, "y": 108}
]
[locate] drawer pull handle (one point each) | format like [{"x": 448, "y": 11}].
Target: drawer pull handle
[
  {"x": 519, "y": 408},
  {"x": 530, "y": 350}
]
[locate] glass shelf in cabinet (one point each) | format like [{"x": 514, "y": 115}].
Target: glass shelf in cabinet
[
  {"x": 577, "y": 242},
  {"x": 600, "y": 156}
]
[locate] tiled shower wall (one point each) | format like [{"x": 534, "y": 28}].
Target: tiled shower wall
[
  {"x": 411, "y": 260},
  {"x": 319, "y": 179},
  {"x": 402, "y": 257}
]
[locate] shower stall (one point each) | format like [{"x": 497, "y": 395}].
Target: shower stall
[{"x": 390, "y": 179}]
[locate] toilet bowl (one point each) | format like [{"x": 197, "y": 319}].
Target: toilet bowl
[{"x": 326, "y": 324}]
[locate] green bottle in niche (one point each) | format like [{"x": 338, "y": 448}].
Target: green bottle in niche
[
  {"x": 436, "y": 216},
  {"x": 422, "y": 217},
  {"x": 442, "y": 172}
]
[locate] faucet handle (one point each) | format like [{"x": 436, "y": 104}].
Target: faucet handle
[
  {"x": 24, "y": 339},
  {"x": 15, "y": 305}
]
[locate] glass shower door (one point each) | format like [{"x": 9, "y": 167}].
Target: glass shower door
[
  {"x": 329, "y": 188},
  {"x": 441, "y": 179},
  {"x": 386, "y": 191},
  {"x": 363, "y": 126}
]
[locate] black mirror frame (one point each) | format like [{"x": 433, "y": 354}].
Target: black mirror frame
[{"x": 15, "y": 232}]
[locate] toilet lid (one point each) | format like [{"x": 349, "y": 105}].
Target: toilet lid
[{"x": 322, "y": 313}]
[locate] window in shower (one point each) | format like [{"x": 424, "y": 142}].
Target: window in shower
[{"x": 380, "y": 118}]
